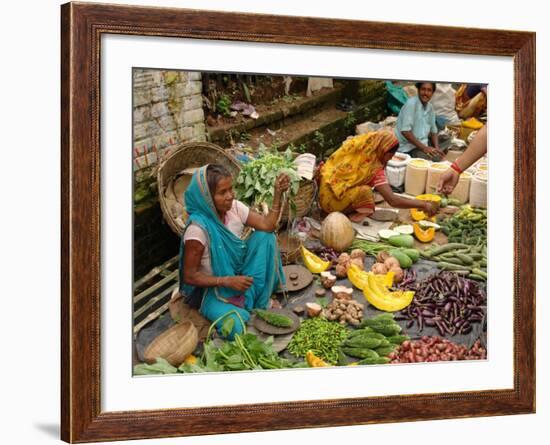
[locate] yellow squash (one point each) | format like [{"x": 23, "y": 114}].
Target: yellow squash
[
  {"x": 190, "y": 360},
  {"x": 313, "y": 263},
  {"x": 383, "y": 299},
  {"x": 359, "y": 278},
  {"x": 419, "y": 215},
  {"x": 424, "y": 236},
  {"x": 314, "y": 361}
]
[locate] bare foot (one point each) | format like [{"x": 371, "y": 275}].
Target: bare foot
[{"x": 274, "y": 304}]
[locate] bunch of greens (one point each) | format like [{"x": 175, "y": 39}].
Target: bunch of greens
[
  {"x": 223, "y": 105},
  {"x": 244, "y": 352},
  {"x": 256, "y": 181},
  {"x": 161, "y": 366},
  {"x": 320, "y": 336}
]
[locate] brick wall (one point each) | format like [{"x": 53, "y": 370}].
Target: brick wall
[{"x": 167, "y": 111}]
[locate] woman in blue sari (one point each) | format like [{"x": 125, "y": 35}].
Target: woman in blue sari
[{"x": 218, "y": 271}]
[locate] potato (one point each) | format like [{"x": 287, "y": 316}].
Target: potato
[
  {"x": 398, "y": 274},
  {"x": 382, "y": 256},
  {"x": 341, "y": 271},
  {"x": 359, "y": 262},
  {"x": 358, "y": 253},
  {"x": 379, "y": 269},
  {"x": 344, "y": 259},
  {"x": 391, "y": 263}
]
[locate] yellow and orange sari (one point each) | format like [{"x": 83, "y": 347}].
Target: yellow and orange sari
[
  {"x": 469, "y": 106},
  {"x": 345, "y": 177}
]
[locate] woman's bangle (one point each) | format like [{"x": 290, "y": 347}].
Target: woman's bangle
[{"x": 456, "y": 168}]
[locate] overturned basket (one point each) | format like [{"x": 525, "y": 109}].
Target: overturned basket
[
  {"x": 175, "y": 173},
  {"x": 174, "y": 344}
]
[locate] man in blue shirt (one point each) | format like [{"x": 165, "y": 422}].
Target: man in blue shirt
[{"x": 416, "y": 125}]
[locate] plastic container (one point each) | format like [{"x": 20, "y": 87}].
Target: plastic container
[
  {"x": 462, "y": 189},
  {"x": 478, "y": 190},
  {"x": 482, "y": 167},
  {"x": 396, "y": 169},
  {"x": 415, "y": 176},
  {"x": 435, "y": 171}
]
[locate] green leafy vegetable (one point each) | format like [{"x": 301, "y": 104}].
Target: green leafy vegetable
[
  {"x": 227, "y": 326},
  {"x": 161, "y": 366},
  {"x": 245, "y": 352},
  {"x": 255, "y": 183}
]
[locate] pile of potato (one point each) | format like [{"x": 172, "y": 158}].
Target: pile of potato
[
  {"x": 345, "y": 260},
  {"x": 344, "y": 311},
  {"x": 386, "y": 263}
]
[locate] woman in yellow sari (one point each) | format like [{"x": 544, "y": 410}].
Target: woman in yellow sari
[
  {"x": 351, "y": 173},
  {"x": 471, "y": 100}
]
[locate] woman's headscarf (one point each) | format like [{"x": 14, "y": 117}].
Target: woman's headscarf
[
  {"x": 226, "y": 249},
  {"x": 357, "y": 160}
]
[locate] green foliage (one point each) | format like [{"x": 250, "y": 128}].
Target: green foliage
[
  {"x": 161, "y": 366},
  {"x": 223, "y": 105},
  {"x": 246, "y": 93},
  {"x": 255, "y": 183},
  {"x": 245, "y": 352},
  {"x": 227, "y": 326},
  {"x": 349, "y": 121},
  {"x": 302, "y": 148},
  {"x": 319, "y": 139},
  {"x": 291, "y": 98}
]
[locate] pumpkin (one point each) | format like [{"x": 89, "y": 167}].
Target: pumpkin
[
  {"x": 424, "y": 236},
  {"x": 314, "y": 361},
  {"x": 337, "y": 232},
  {"x": 419, "y": 215}
]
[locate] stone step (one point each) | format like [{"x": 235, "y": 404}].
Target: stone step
[
  {"x": 284, "y": 109},
  {"x": 319, "y": 133},
  {"x": 312, "y": 124}
]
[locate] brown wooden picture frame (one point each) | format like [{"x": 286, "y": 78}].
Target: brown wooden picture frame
[{"x": 82, "y": 26}]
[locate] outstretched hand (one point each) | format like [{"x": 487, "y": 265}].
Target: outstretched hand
[
  {"x": 448, "y": 182},
  {"x": 431, "y": 207},
  {"x": 433, "y": 152}
]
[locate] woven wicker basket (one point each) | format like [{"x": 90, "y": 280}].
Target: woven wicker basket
[
  {"x": 189, "y": 155},
  {"x": 289, "y": 247},
  {"x": 174, "y": 344},
  {"x": 303, "y": 199}
]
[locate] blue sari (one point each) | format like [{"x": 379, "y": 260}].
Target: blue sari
[{"x": 257, "y": 257}]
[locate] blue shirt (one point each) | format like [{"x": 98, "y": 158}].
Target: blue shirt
[{"x": 417, "y": 118}]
